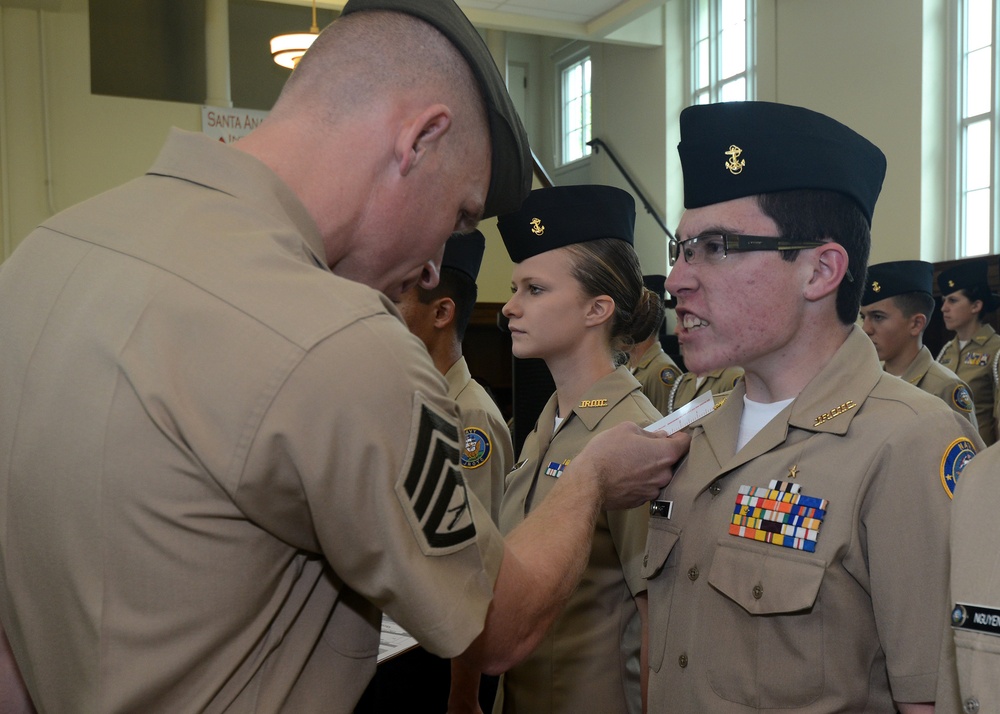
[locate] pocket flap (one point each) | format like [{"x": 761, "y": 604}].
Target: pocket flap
[
  {"x": 659, "y": 542},
  {"x": 766, "y": 581}
]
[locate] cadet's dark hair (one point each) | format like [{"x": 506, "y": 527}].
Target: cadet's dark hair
[
  {"x": 609, "y": 266},
  {"x": 912, "y": 303},
  {"x": 809, "y": 214},
  {"x": 461, "y": 288},
  {"x": 983, "y": 293}
]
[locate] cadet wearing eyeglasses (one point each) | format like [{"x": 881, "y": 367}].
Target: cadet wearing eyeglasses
[{"x": 798, "y": 559}]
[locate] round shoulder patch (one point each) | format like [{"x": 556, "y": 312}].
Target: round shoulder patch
[
  {"x": 956, "y": 456},
  {"x": 477, "y": 448},
  {"x": 961, "y": 398},
  {"x": 669, "y": 375}
]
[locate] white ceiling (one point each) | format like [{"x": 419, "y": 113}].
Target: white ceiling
[{"x": 597, "y": 20}]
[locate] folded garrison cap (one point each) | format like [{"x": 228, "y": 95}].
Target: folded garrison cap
[
  {"x": 887, "y": 280},
  {"x": 464, "y": 252},
  {"x": 656, "y": 283},
  {"x": 559, "y": 216},
  {"x": 511, "y": 161},
  {"x": 973, "y": 276},
  {"x": 735, "y": 149}
]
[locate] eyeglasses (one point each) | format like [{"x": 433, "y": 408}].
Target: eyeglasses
[{"x": 714, "y": 247}]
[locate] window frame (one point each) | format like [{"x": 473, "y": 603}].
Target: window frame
[
  {"x": 565, "y": 64},
  {"x": 957, "y": 240},
  {"x": 713, "y": 90}
]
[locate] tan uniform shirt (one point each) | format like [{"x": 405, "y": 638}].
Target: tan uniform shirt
[
  {"x": 657, "y": 374},
  {"x": 934, "y": 378},
  {"x": 975, "y": 585},
  {"x": 589, "y": 660},
  {"x": 488, "y": 452},
  {"x": 740, "y": 623},
  {"x": 687, "y": 388},
  {"x": 205, "y": 497},
  {"x": 974, "y": 365}
]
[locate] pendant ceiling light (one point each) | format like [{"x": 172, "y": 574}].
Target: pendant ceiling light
[{"x": 288, "y": 49}]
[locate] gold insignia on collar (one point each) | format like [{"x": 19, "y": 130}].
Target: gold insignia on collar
[
  {"x": 876, "y": 288},
  {"x": 536, "y": 226},
  {"x": 593, "y": 403},
  {"x": 794, "y": 471},
  {"x": 835, "y": 412},
  {"x": 735, "y": 164}
]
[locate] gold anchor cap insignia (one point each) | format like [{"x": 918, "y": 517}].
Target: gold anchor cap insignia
[
  {"x": 735, "y": 164},
  {"x": 951, "y": 283},
  {"x": 536, "y": 226},
  {"x": 876, "y": 288}
]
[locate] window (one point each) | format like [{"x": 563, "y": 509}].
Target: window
[
  {"x": 576, "y": 110},
  {"x": 723, "y": 50},
  {"x": 976, "y": 102}
]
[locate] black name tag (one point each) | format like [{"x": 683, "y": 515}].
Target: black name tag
[
  {"x": 661, "y": 509},
  {"x": 976, "y": 618}
]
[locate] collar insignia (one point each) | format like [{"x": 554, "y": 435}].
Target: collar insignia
[{"x": 835, "y": 412}]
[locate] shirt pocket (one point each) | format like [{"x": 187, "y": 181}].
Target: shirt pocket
[
  {"x": 978, "y": 658},
  {"x": 660, "y": 542},
  {"x": 767, "y": 629}
]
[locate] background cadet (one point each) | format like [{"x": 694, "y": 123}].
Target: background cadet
[
  {"x": 895, "y": 308},
  {"x": 653, "y": 367},
  {"x": 577, "y": 296},
  {"x": 206, "y": 497},
  {"x": 720, "y": 382},
  {"x": 836, "y": 603},
  {"x": 439, "y": 317},
  {"x": 972, "y": 353},
  {"x": 972, "y": 654}
]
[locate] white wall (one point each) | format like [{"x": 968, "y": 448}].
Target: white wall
[{"x": 865, "y": 62}]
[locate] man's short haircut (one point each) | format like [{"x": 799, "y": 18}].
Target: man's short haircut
[
  {"x": 809, "y": 214},
  {"x": 461, "y": 288},
  {"x": 911, "y": 304}
]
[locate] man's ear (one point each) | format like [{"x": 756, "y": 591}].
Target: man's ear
[
  {"x": 444, "y": 312},
  {"x": 419, "y": 133},
  {"x": 600, "y": 311},
  {"x": 829, "y": 269},
  {"x": 918, "y": 321}
]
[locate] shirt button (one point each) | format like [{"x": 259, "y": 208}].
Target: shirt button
[
  {"x": 693, "y": 573},
  {"x": 715, "y": 489},
  {"x": 683, "y": 662},
  {"x": 970, "y": 706},
  {"x": 758, "y": 592}
]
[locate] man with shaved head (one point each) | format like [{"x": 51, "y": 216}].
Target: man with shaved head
[{"x": 223, "y": 454}]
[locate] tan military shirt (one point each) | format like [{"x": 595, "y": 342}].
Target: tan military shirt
[
  {"x": 974, "y": 365},
  {"x": 843, "y": 614},
  {"x": 588, "y": 662},
  {"x": 975, "y": 585},
  {"x": 488, "y": 452},
  {"x": 689, "y": 387},
  {"x": 205, "y": 496},
  {"x": 934, "y": 378},
  {"x": 657, "y": 374}
]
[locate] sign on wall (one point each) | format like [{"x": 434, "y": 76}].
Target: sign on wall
[{"x": 228, "y": 125}]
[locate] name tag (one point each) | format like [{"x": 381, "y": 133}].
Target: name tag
[{"x": 976, "y": 618}]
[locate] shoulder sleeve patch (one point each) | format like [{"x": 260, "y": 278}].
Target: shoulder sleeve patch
[
  {"x": 431, "y": 488},
  {"x": 669, "y": 375},
  {"x": 477, "y": 448},
  {"x": 956, "y": 456},
  {"x": 961, "y": 398}
]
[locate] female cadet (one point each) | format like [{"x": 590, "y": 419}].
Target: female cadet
[
  {"x": 974, "y": 351},
  {"x": 578, "y": 299}
]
